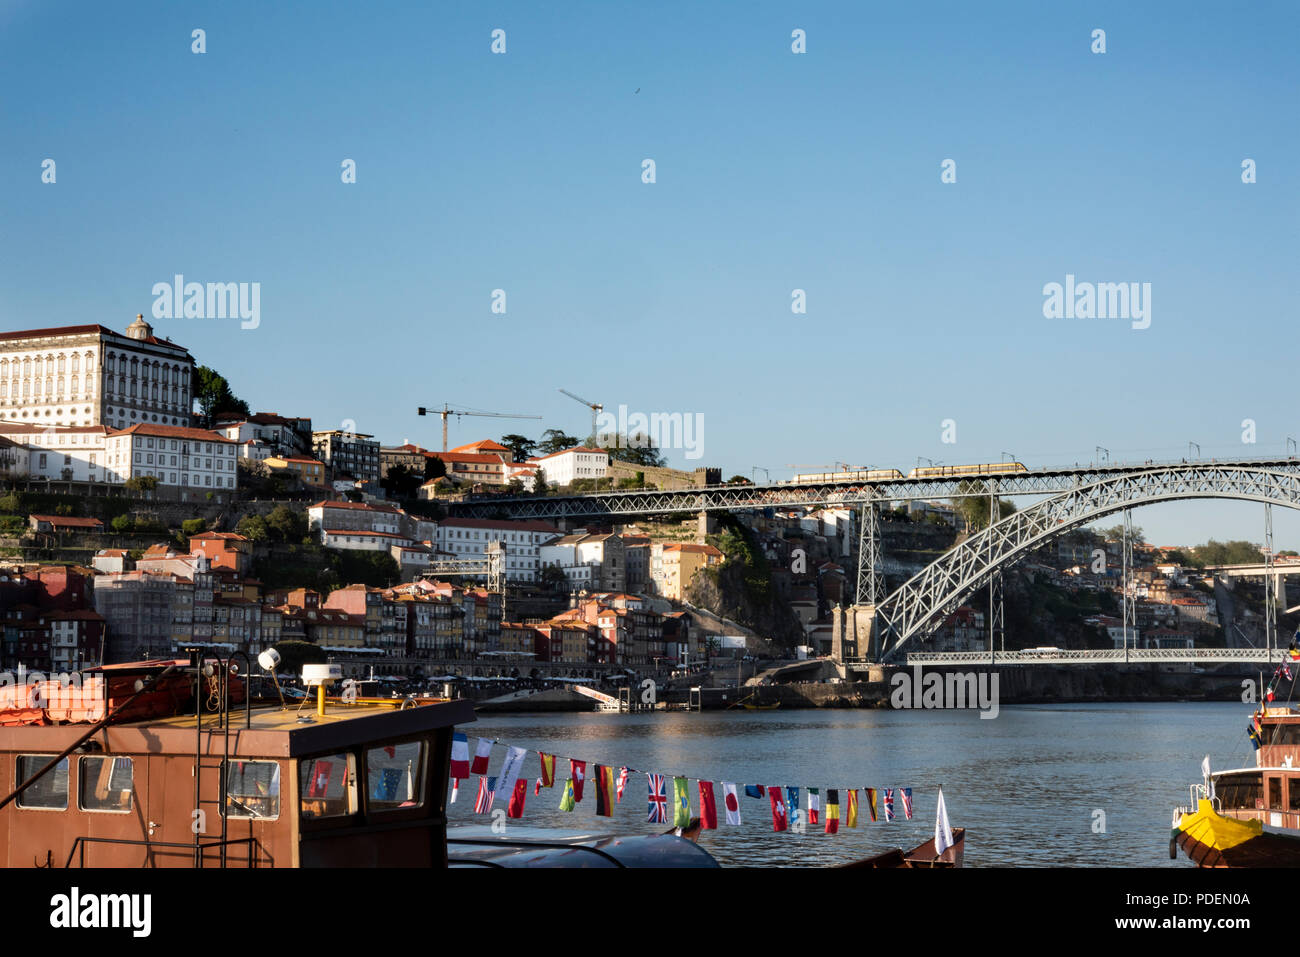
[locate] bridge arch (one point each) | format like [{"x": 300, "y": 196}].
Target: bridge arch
[{"x": 941, "y": 586}]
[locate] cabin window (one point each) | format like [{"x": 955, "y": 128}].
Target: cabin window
[
  {"x": 50, "y": 792},
  {"x": 253, "y": 790},
  {"x": 327, "y": 786},
  {"x": 1275, "y": 794},
  {"x": 1243, "y": 791},
  {"x": 1293, "y": 793},
  {"x": 394, "y": 776},
  {"x": 104, "y": 784}
]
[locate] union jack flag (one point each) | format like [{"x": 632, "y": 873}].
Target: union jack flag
[
  {"x": 658, "y": 799},
  {"x": 907, "y": 802},
  {"x": 889, "y": 804},
  {"x": 487, "y": 792},
  {"x": 622, "y": 783}
]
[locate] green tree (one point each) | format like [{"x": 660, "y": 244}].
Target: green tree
[
  {"x": 522, "y": 446},
  {"x": 142, "y": 483},
  {"x": 286, "y": 525},
  {"x": 253, "y": 528},
  {"x": 975, "y": 509},
  {"x": 213, "y": 394},
  {"x": 194, "y": 526},
  {"x": 434, "y": 467},
  {"x": 401, "y": 482},
  {"x": 739, "y": 480},
  {"x": 1116, "y": 534},
  {"x": 123, "y": 524},
  {"x": 554, "y": 440},
  {"x": 539, "y": 482}
]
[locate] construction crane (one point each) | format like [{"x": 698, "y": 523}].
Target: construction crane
[
  {"x": 596, "y": 409},
  {"x": 446, "y": 411}
]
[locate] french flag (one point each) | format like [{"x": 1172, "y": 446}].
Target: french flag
[{"x": 459, "y": 756}]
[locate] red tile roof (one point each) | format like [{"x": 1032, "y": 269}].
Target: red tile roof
[{"x": 172, "y": 432}]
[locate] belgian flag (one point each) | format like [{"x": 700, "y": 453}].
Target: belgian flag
[
  {"x": 604, "y": 791},
  {"x": 832, "y": 810}
]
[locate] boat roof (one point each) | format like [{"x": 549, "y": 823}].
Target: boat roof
[
  {"x": 272, "y": 732},
  {"x": 477, "y": 846}
]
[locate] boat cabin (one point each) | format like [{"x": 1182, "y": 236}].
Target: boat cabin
[{"x": 1270, "y": 791}]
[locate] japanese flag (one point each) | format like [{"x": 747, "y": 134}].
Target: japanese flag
[{"x": 731, "y": 801}]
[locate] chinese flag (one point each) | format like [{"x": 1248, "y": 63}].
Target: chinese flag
[
  {"x": 516, "y": 806},
  {"x": 708, "y": 809}
]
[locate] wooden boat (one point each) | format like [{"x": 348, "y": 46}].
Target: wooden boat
[
  {"x": 761, "y": 707},
  {"x": 1248, "y": 817},
  {"x": 151, "y": 766},
  {"x": 921, "y": 856}
]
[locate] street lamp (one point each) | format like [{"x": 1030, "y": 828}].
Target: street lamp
[
  {"x": 1102, "y": 454},
  {"x": 1190, "y": 446},
  {"x": 1009, "y": 456},
  {"x": 758, "y": 468},
  {"x": 1290, "y": 444}
]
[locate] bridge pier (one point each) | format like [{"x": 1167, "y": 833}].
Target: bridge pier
[
  {"x": 852, "y": 632},
  {"x": 705, "y": 524}
]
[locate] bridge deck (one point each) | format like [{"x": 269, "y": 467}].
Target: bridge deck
[{"x": 1103, "y": 656}]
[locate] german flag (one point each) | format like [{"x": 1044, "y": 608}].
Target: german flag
[
  {"x": 871, "y": 803},
  {"x": 605, "y": 782}
]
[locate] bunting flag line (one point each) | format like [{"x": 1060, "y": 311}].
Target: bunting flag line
[
  {"x": 823, "y": 804},
  {"x": 732, "y": 802},
  {"x": 708, "y": 810},
  {"x": 681, "y": 804},
  {"x": 516, "y": 806},
  {"x": 487, "y": 792},
  {"x": 658, "y": 799},
  {"x": 482, "y": 754},
  {"x": 778, "y": 808},
  {"x": 604, "y": 791},
  {"x": 459, "y": 756}
]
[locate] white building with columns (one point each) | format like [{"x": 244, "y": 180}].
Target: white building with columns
[{"x": 90, "y": 375}]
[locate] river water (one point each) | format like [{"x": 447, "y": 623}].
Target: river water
[{"x": 1039, "y": 785}]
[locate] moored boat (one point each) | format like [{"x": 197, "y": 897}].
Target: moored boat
[{"x": 1247, "y": 817}]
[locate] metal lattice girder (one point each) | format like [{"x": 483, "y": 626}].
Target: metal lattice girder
[
  {"x": 1097, "y": 656},
  {"x": 941, "y": 587},
  {"x": 716, "y": 498},
  {"x": 870, "y": 556}
]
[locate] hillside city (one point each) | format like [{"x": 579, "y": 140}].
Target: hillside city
[{"x": 134, "y": 526}]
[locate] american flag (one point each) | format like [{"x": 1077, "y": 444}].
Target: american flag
[
  {"x": 658, "y": 799},
  {"x": 907, "y": 802},
  {"x": 487, "y": 791},
  {"x": 622, "y": 783},
  {"x": 889, "y": 804}
]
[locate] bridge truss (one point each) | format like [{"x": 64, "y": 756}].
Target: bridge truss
[
  {"x": 720, "y": 498},
  {"x": 940, "y": 588},
  {"x": 1205, "y": 656}
]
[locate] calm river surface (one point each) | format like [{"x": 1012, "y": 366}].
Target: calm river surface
[{"x": 1025, "y": 785}]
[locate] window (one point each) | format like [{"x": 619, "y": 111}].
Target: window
[
  {"x": 395, "y": 776},
  {"x": 104, "y": 784},
  {"x": 50, "y": 792},
  {"x": 253, "y": 790},
  {"x": 1275, "y": 794},
  {"x": 327, "y": 786}
]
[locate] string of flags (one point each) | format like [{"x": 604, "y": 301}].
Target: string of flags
[
  {"x": 841, "y": 804},
  {"x": 1254, "y": 730}
]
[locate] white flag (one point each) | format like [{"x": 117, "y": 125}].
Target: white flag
[
  {"x": 942, "y": 831},
  {"x": 510, "y": 770},
  {"x": 731, "y": 801},
  {"x": 1205, "y": 767}
]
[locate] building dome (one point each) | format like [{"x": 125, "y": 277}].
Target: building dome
[{"x": 139, "y": 329}]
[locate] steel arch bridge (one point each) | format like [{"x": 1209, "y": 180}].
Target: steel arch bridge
[{"x": 940, "y": 587}]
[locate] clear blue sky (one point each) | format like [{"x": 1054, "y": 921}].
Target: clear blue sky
[{"x": 775, "y": 171}]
